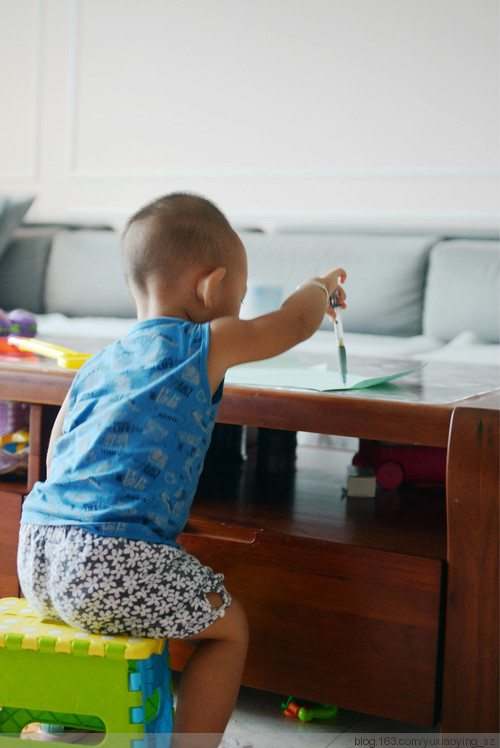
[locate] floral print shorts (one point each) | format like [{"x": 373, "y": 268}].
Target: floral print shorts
[{"x": 110, "y": 585}]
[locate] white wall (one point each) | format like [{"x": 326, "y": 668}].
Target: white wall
[{"x": 341, "y": 111}]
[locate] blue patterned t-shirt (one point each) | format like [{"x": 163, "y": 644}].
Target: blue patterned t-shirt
[{"x": 139, "y": 422}]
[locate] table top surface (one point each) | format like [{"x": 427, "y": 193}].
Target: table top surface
[{"x": 416, "y": 408}]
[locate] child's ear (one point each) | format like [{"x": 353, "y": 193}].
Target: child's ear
[{"x": 207, "y": 284}]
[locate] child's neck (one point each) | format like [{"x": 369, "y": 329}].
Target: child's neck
[
  {"x": 179, "y": 300},
  {"x": 153, "y": 308}
]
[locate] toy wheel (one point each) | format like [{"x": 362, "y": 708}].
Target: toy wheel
[{"x": 390, "y": 475}]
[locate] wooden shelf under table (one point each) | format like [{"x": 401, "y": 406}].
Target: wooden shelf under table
[{"x": 344, "y": 597}]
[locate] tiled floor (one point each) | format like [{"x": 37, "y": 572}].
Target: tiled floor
[{"x": 258, "y": 721}]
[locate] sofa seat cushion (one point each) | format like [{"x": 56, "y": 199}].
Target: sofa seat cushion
[
  {"x": 88, "y": 334},
  {"x": 111, "y": 328},
  {"x": 324, "y": 344},
  {"x": 466, "y": 348}
]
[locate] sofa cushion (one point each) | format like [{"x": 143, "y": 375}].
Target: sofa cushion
[
  {"x": 463, "y": 290},
  {"x": 465, "y": 348},
  {"x": 22, "y": 269},
  {"x": 12, "y": 212},
  {"x": 84, "y": 276},
  {"x": 385, "y": 274},
  {"x": 359, "y": 345}
]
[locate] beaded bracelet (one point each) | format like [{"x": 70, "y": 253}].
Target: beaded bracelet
[{"x": 317, "y": 283}]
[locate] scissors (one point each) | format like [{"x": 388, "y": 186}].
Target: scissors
[{"x": 339, "y": 332}]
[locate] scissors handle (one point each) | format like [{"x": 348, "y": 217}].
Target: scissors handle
[{"x": 334, "y": 299}]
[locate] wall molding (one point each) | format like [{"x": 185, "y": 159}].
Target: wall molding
[
  {"x": 331, "y": 173},
  {"x": 409, "y": 192},
  {"x": 403, "y": 173},
  {"x": 73, "y": 64},
  {"x": 424, "y": 220},
  {"x": 32, "y": 172}
]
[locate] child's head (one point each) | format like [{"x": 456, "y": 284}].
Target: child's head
[
  {"x": 173, "y": 233},
  {"x": 177, "y": 235}
]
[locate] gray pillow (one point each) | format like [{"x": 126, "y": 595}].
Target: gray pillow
[{"x": 12, "y": 212}]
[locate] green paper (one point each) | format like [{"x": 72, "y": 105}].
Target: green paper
[{"x": 286, "y": 371}]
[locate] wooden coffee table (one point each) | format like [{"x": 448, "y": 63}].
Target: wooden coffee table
[{"x": 388, "y": 607}]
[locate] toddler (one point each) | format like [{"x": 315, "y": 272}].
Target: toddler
[{"x": 97, "y": 545}]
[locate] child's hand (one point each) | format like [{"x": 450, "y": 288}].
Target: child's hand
[
  {"x": 235, "y": 341},
  {"x": 332, "y": 282}
]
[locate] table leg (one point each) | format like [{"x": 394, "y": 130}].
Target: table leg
[
  {"x": 470, "y": 700},
  {"x": 41, "y": 421}
]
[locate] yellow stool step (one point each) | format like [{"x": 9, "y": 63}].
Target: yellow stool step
[{"x": 51, "y": 672}]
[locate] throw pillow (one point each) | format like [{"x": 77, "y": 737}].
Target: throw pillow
[{"x": 12, "y": 212}]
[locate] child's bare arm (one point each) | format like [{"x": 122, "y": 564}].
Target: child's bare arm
[{"x": 234, "y": 341}]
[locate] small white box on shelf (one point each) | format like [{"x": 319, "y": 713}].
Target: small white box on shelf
[{"x": 361, "y": 481}]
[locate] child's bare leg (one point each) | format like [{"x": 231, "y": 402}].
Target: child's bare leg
[{"x": 211, "y": 679}]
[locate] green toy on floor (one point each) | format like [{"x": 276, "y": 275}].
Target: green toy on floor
[{"x": 307, "y": 710}]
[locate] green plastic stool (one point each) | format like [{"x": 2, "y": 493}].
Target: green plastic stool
[{"x": 54, "y": 674}]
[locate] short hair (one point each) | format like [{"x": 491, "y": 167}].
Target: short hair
[{"x": 172, "y": 233}]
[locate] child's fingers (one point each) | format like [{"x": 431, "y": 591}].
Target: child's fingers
[
  {"x": 330, "y": 313},
  {"x": 332, "y": 282},
  {"x": 342, "y": 275},
  {"x": 338, "y": 275},
  {"x": 341, "y": 297},
  {"x": 334, "y": 278}
]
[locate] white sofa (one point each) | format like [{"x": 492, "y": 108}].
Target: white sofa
[{"x": 418, "y": 296}]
